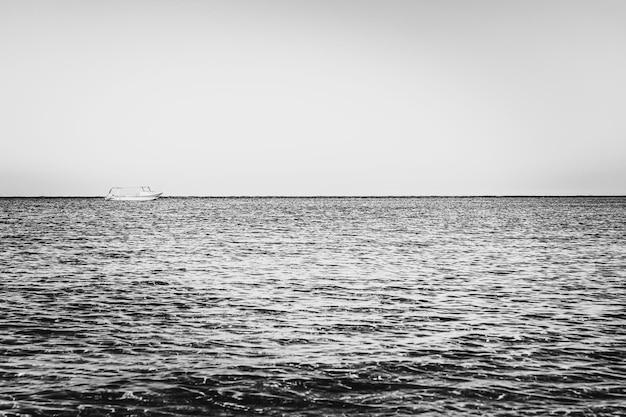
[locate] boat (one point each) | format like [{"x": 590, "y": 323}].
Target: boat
[{"x": 142, "y": 193}]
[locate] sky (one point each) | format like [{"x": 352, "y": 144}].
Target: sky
[{"x": 316, "y": 97}]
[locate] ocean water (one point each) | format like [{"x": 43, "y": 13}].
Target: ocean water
[{"x": 313, "y": 307}]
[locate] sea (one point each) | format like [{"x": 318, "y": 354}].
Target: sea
[{"x": 510, "y": 306}]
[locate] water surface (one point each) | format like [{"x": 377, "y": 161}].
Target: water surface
[{"x": 313, "y": 306}]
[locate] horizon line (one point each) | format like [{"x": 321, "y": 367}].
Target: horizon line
[{"x": 347, "y": 196}]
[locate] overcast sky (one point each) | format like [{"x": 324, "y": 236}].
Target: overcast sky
[{"x": 339, "y": 97}]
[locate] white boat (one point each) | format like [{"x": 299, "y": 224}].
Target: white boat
[{"x": 143, "y": 193}]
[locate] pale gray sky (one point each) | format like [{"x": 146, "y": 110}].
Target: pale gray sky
[{"x": 313, "y": 97}]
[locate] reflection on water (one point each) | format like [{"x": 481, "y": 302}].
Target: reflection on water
[{"x": 322, "y": 306}]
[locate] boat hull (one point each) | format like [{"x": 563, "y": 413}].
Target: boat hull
[{"x": 134, "y": 197}]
